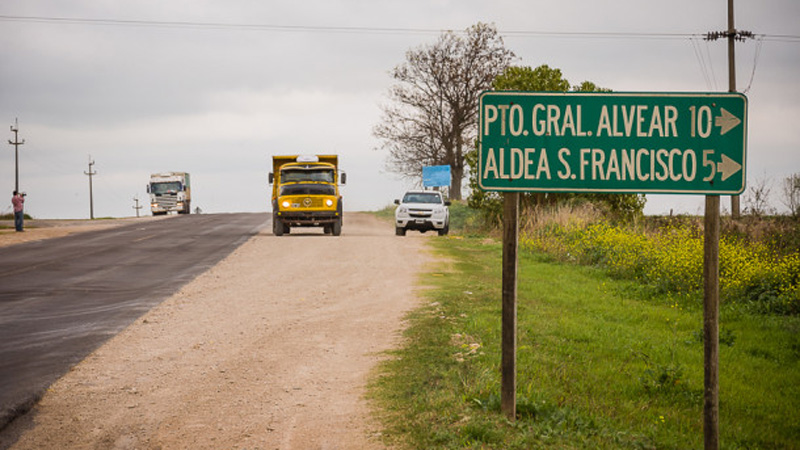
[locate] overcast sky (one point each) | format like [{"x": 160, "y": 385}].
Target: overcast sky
[{"x": 309, "y": 77}]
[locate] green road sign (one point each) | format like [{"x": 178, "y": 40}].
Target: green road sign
[{"x": 613, "y": 142}]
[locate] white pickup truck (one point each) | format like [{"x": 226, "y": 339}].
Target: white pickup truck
[{"x": 422, "y": 211}]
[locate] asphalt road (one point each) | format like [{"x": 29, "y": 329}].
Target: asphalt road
[{"x": 62, "y": 298}]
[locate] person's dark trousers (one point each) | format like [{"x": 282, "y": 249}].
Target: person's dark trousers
[{"x": 18, "y": 219}]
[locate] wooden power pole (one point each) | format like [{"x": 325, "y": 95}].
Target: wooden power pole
[
  {"x": 711, "y": 266},
  {"x": 16, "y": 144},
  {"x": 91, "y": 198}
]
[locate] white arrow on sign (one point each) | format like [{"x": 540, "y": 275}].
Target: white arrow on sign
[
  {"x": 728, "y": 167},
  {"x": 726, "y": 121}
]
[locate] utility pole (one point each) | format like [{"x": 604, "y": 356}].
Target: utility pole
[
  {"x": 138, "y": 206},
  {"x": 16, "y": 144},
  {"x": 733, "y": 35},
  {"x": 91, "y": 198}
]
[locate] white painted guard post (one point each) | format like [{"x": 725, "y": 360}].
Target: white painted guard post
[{"x": 508, "y": 385}]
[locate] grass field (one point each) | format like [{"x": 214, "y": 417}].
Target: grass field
[{"x": 601, "y": 363}]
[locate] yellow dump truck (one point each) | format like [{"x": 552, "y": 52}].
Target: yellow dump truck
[{"x": 305, "y": 193}]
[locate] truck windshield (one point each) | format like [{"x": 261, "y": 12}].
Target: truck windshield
[
  {"x": 419, "y": 197},
  {"x": 306, "y": 175},
  {"x": 308, "y": 189},
  {"x": 171, "y": 187}
]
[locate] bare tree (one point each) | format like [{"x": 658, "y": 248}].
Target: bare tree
[
  {"x": 791, "y": 193},
  {"x": 756, "y": 199},
  {"x": 434, "y": 111}
]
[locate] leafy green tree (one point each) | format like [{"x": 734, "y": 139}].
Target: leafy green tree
[{"x": 544, "y": 79}]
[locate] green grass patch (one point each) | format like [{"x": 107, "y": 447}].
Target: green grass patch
[{"x": 601, "y": 364}]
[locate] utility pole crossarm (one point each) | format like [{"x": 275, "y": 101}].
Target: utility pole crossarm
[{"x": 738, "y": 35}]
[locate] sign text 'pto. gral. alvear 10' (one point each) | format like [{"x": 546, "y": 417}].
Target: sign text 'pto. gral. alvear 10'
[{"x": 612, "y": 142}]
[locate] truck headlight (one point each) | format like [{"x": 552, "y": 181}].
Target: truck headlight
[
  {"x": 329, "y": 202},
  {"x": 286, "y": 204}
]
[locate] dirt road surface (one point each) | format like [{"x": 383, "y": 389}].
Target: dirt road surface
[{"x": 270, "y": 349}]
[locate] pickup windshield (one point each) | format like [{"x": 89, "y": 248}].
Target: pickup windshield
[
  {"x": 171, "y": 187},
  {"x": 306, "y": 175},
  {"x": 418, "y": 197}
]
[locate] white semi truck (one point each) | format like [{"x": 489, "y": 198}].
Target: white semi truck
[{"x": 170, "y": 191}]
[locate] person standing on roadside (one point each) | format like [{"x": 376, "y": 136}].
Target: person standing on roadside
[{"x": 18, "y": 200}]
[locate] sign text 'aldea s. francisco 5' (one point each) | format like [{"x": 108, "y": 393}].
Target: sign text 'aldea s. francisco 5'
[{"x": 680, "y": 143}]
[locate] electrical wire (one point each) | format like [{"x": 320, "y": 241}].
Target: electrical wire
[
  {"x": 214, "y": 25},
  {"x": 755, "y": 64},
  {"x": 701, "y": 61},
  {"x": 711, "y": 66},
  {"x": 323, "y": 29},
  {"x": 353, "y": 29}
]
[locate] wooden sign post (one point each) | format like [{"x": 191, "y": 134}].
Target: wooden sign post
[
  {"x": 508, "y": 385},
  {"x": 711, "y": 324}
]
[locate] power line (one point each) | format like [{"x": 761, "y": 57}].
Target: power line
[
  {"x": 698, "y": 53},
  {"x": 215, "y": 25},
  {"x": 711, "y": 67},
  {"x": 755, "y": 64},
  {"x": 362, "y": 30}
]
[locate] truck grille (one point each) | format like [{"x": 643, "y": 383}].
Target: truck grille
[
  {"x": 420, "y": 213},
  {"x": 304, "y": 202},
  {"x": 167, "y": 201}
]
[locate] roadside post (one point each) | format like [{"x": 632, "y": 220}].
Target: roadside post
[
  {"x": 508, "y": 385},
  {"x": 643, "y": 143}
]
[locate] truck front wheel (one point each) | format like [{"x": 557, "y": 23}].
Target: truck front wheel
[
  {"x": 277, "y": 225},
  {"x": 336, "y": 228}
]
